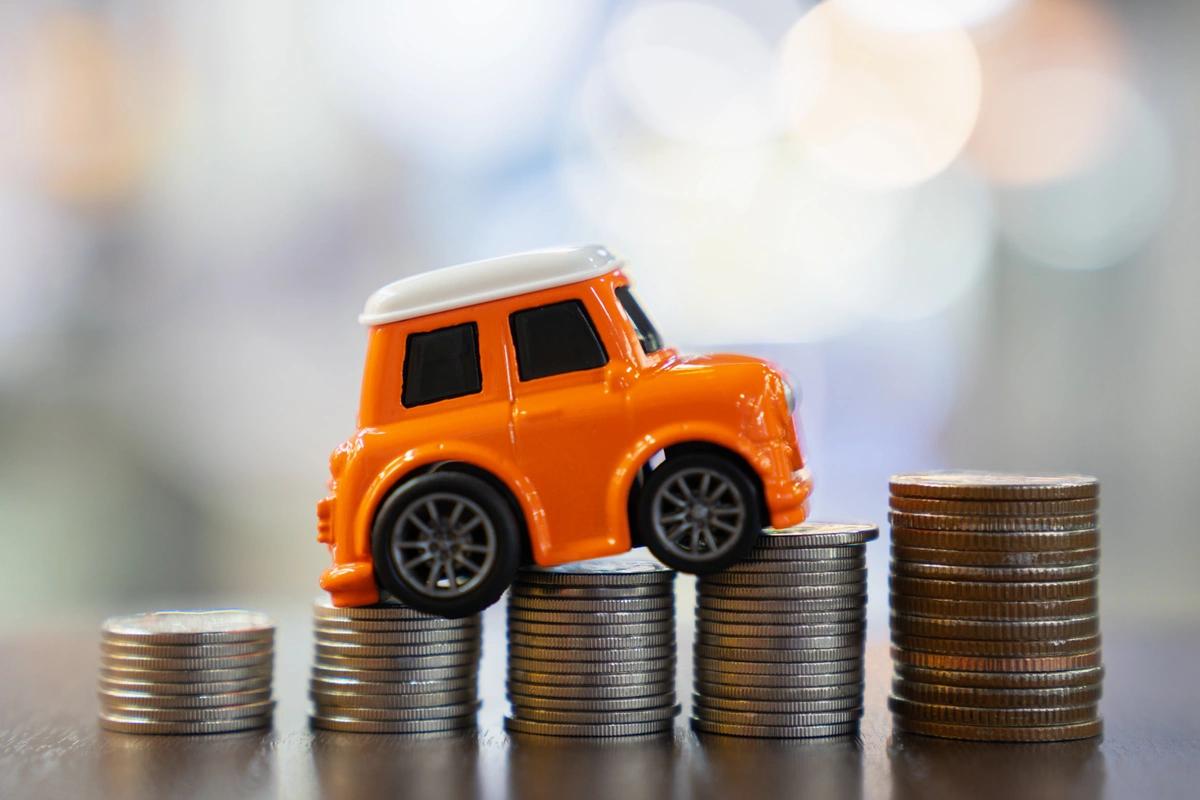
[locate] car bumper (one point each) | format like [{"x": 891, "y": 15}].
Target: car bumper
[{"x": 787, "y": 500}]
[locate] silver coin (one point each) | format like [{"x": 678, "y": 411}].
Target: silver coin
[
  {"x": 566, "y": 694},
  {"x": 460, "y": 672},
  {"x": 594, "y": 731},
  {"x": 957, "y": 572},
  {"x": 591, "y": 617},
  {"x": 406, "y": 727},
  {"x": 708, "y": 629},
  {"x": 563, "y": 591},
  {"x": 257, "y": 709},
  {"x": 410, "y": 638},
  {"x": 399, "y": 663},
  {"x": 805, "y": 643},
  {"x": 778, "y": 706},
  {"x": 323, "y": 609},
  {"x": 591, "y": 642},
  {"x": 786, "y": 606},
  {"x": 395, "y": 714},
  {"x": 786, "y": 694},
  {"x": 205, "y": 676},
  {"x": 360, "y": 687},
  {"x": 595, "y": 717},
  {"x": 366, "y": 700},
  {"x": 712, "y": 591},
  {"x": 776, "y": 720},
  {"x": 772, "y": 555},
  {"x": 111, "y": 698},
  {"x": 538, "y": 677},
  {"x": 190, "y": 627},
  {"x": 996, "y": 698},
  {"x": 353, "y": 650},
  {"x": 595, "y": 705},
  {"x": 578, "y": 605},
  {"x": 1041, "y": 629},
  {"x": 638, "y": 655},
  {"x": 600, "y": 572},
  {"x": 786, "y": 656},
  {"x": 184, "y": 689},
  {"x": 429, "y": 625},
  {"x": 848, "y": 675},
  {"x": 136, "y": 649},
  {"x": 775, "y": 580},
  {"x": 654, "y": 629},
  {"x": 817, "y": 534},
  {"x": 788, "y": 668},
  {"x": 254, "y": 660},
  {"x": 139, "y": 725},
  {"x": 774, "y": 732},
  {"x": 856, "y": 615},
  {"x": 592, "y": 667},
  {"x": 794, "y": 566}
]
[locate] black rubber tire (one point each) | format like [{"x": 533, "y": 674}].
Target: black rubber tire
[
  {"x": 508, "y": 543},
  {"x": 742, "y": 483}
]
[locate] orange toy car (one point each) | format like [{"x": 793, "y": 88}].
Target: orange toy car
[{"x": 525, "y": 409}]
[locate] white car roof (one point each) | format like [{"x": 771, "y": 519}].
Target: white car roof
[{"x": 481, "y": 281}]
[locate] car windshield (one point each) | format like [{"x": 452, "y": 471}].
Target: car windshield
[{"x": 646, "y": 332}]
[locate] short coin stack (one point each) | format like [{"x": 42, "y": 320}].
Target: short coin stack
[
  {"x": 779, "y": 636},
  {"x": 591, "y": 650},
  {"x": 186, "y": 672},
  {"x": 995, "y": 631},
  {"x": 392, "y": 669}
]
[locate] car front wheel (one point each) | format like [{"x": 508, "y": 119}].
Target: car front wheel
[
  {"x": 446, "y": 543},
  {"x": 699, "y": 513}
]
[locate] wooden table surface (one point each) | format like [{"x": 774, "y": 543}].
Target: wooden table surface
[{"x": 51, "y": 747}]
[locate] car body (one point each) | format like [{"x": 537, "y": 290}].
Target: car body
[{"x": 487, "y": 369}]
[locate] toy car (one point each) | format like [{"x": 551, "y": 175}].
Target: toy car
[{"x": 524, "y": 409}]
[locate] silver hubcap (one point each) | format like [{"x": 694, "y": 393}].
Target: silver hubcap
[
  {"x": 698, "y": 514},
  {"x": 444, "y": 545}
]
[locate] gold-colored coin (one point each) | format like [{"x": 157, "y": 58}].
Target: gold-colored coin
[
  {"x": 957, "y": 572},
  {"x": 992, "y": 508},
  {"x": 995, "y": 542},
  {"x": 980, "y": 523},
  {"x": 962, "y": 715},
  {"x": 1026, "y": 630},
  {"x": 990, "y": 664},
  {"x": 996, "y": 558},
  {"x": 993, "y": 592},
  {"x": 979, "y": 485},
  {"x": 979, "y": 733},
  {"x": 1003, "y": 648},
  {"x": 990, "y": 610}
]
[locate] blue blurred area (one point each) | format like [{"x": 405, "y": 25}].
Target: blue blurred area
[{"x": 966, "y": 228}]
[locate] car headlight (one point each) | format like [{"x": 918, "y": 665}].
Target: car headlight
[{"x": 789, "y": 394}]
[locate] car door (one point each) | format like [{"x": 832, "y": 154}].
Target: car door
[{"x": 570, "y": 419}]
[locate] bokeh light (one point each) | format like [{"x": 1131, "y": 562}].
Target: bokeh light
[{"x": 883, "y": 106}]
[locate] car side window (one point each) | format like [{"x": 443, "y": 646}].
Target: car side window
[
  {"x": 554, "y": 339},
  {"x": 441, "y": 364}
]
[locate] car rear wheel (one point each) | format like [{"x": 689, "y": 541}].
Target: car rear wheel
[
  {"x": 699, "y": 513},
  {"x": 446, "y": 543}
]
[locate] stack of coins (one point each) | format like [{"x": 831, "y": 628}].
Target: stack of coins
[
  {"x": 779, "y": 636},
  {"x": 591, "y": 650},
  {"x": 995, "y": 632},
  {"x": 392, "y": 669},
  {"x": 186, "y": 672}
]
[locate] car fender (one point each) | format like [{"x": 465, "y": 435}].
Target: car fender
[
  {"x": 415, "y": 458},
  {"x": 661, "y": 438}
]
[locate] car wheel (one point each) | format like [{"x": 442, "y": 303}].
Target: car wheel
[
  {"x": 446, "y": 543},
  {"x": 699, "y": 513}
]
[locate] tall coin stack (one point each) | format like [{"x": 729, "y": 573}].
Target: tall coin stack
[
  {"x": 995, "y": 631},
  {"x": 186, "y": 672},
  {"x": 779, "y": 636},
  {"x": 392, "y": 669},
  {"x": 591, "y": 650}
]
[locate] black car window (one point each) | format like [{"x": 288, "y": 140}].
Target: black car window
[
  {"x": 646, "y": 332},
  {"x": 441, "y": 364},
  {"x": 555, "y": 339}
]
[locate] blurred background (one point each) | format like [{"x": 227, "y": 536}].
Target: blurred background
[{"x": 967, "y": 228}]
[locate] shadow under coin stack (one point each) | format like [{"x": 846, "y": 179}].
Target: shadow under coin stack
[
  {"x": 591, "y": 650},
  {"x": 779, "y": 636},
  {"x": 392, "y": 669},
  {"x": 186, "y": 672},
  {"x": 995, "y": 631}
]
